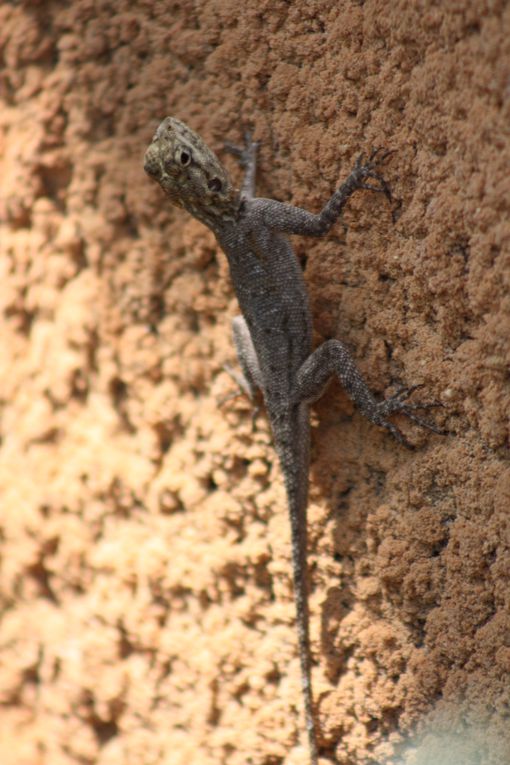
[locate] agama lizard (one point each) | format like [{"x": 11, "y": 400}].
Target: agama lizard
[{"x": 273, "y": 337}]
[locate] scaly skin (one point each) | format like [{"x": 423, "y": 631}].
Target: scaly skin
[{"x": 273, "y": 337}]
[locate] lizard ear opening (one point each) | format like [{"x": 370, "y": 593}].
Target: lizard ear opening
[{"x": 214, "y": 184}]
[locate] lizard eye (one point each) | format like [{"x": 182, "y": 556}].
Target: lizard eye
[
  {"x": 214, "y": 184},
  {"x": 184, "y": 158}
]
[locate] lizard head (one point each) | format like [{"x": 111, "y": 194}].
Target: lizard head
[{"x": 190, "y": 173}]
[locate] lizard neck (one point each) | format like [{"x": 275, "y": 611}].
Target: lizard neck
[{"x": 219, "y": 218}]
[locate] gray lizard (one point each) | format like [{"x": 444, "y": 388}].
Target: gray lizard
[{"x": 273, "y": 337}]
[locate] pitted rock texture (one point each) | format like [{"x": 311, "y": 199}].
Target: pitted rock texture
[{"x": 146, "y": 602}]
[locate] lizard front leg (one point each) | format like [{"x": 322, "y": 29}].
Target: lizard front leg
[
  {"x": 247, "y": 156},
  {"x": 332, "y": 359},
  {"x": 288, "y": 219}
]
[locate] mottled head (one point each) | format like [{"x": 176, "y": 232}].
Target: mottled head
[{"x": 190, "y": 173}]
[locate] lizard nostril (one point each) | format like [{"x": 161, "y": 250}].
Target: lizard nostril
[
  {"x": 151, "y": 167},
  {"x": 214, "y": 184}
]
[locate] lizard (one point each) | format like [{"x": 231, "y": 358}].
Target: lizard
[{"x": 273, "y": 336}]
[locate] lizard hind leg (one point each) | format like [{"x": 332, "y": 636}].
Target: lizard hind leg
[
  {"x": 249, "y": 379},
  {"x": 333, "y": 359}
]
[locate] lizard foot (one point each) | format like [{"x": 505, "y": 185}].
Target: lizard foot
[
  {"x": 243, "y": 390},
  {"x": 369, "y": 169},
  {"x": 398, "y": 404}
]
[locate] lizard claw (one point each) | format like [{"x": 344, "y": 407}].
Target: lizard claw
[
  {"x": 383, "y": 155},
  {"x": 398, "y": 404},
  {"x": 365, "y": 168},
  {"x": 404, "y": 392},
  {"x": 243, "y": 389},
  {"x": 373, "y": 160},
  {"x": 395, "y": 432}
]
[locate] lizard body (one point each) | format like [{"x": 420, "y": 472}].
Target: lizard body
[{"x": 273, "y": 337}]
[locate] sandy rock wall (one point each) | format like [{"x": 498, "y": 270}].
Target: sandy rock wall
[{"x": 146, "y": 602}]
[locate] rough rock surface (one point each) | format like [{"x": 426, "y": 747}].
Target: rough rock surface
[{"x": 146, "y": 603}]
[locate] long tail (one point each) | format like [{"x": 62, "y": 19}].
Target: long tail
[
  {"x": 300, "y": 572},
  {"x": 293, "y": 448}
]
